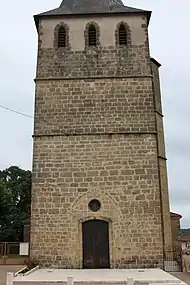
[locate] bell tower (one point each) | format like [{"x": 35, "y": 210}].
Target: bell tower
[{"x": 99, "y": 191}]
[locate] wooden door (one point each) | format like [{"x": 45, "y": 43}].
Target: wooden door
[{"x": 95, "y": 234}]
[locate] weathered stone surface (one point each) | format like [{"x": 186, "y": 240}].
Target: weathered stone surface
[
  {"x": 93, "y": 62},
  {"x": 129, "y": 196},
  {"x": 166, "y": 221},
  {"x": 97, "y": 137},
  {"x": 175, "y": 225},
  {"x": 93, "y": 106}
]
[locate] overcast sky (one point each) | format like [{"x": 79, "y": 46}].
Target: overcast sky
[{"x": 169, "y": 42}]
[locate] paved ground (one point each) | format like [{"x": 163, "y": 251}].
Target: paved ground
[
  {"x": 7, "y": 268},
  {"x": 96, "y": 275},
  {"x": 185, "y": 277}
]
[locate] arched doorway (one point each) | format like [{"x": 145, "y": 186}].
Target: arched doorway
[{"x": 95, "y": 237}]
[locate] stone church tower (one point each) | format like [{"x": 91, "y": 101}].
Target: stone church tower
[{"x": 99, "y": 194}]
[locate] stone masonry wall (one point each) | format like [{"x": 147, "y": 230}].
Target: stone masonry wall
[
  {"x": 93, "y": 106},
  {"x": 107, "y": 59},
  {"x": 93, "y": 62},
  {"x": 119, "y": 170},
  {"x": 95, "y": 137},
  {"x": 175, "y": 225},
  {"x": 167, "y": 232}
]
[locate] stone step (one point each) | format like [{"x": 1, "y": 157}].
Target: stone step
[
  {"x": 166, "y": 282},
  {"x": 80, "y": 283}
]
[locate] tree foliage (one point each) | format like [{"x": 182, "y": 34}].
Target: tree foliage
[
  {"x": 185, "y": 232},
  {"x": 15, "y": 199}
]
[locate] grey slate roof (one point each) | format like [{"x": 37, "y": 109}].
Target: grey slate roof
[{"x": 82, "y": 7}]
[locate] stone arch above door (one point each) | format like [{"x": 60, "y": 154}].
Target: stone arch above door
[
  {"x": 80, "y": 212},
  {"x": 109, "y": 206}
]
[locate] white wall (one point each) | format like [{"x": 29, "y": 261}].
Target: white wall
[
  {"x": 24, "y": 248},
  {"x": 107, "y": 27}
]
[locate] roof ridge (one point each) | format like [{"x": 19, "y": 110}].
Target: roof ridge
[{"x": 84, "y": 7}]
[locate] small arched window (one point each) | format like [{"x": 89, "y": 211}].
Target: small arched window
[
  {"x": 92, "y": 36},
  {"x": 122, "y": 35},
  {"x": 62, "y": 37}
]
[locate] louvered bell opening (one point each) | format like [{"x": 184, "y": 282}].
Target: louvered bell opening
[
  {"x": 92, "y": 36},
  {"x": 62, "y": 37},
  {"x": 122, "y": 35}
]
